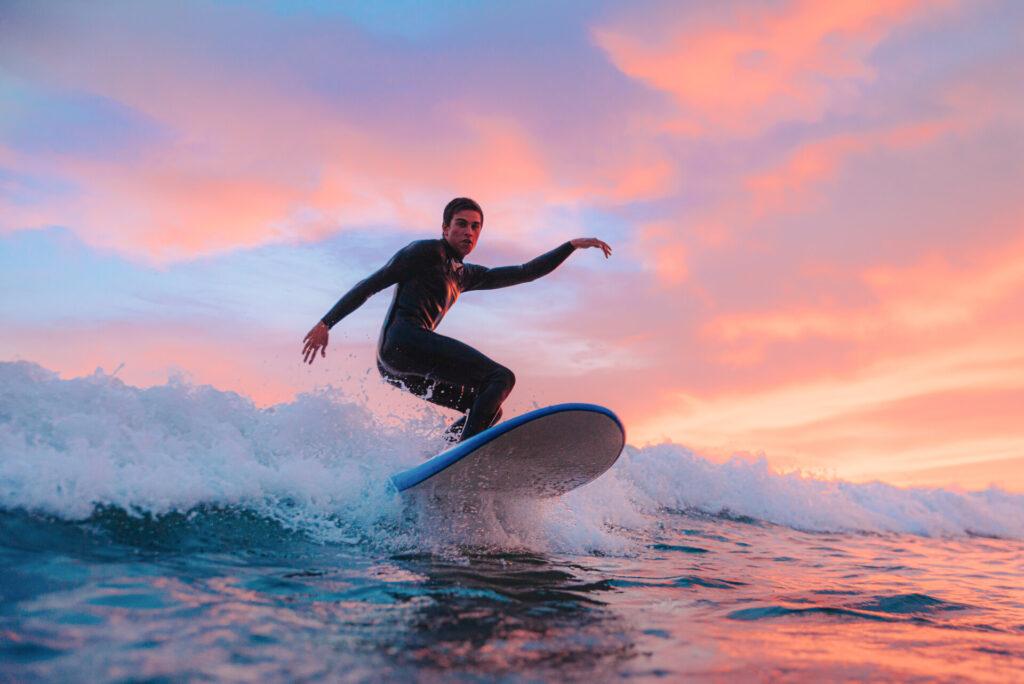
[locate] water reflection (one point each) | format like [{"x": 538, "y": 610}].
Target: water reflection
[
  {"x": 505, "y": 613},
  {"x": 702, "y": 598}
]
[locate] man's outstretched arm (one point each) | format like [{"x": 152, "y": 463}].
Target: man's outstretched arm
[
  {"x": 504, "y": 276},
  {"x": 316, "y": 339}
]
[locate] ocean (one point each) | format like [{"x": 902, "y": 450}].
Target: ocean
[{"x": 180, "y": 533}]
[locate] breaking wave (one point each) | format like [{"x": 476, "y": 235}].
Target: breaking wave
[{"x": 320, "y": 465}]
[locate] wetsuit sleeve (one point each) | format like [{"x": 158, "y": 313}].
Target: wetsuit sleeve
[
  {"x": 397, "y": 269},
  {"x": 482, "y": 278}
]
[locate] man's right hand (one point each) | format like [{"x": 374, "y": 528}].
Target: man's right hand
[{"x": 315, "y": 341}]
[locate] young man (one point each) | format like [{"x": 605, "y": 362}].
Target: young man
[{"x": 431, "y": 275}]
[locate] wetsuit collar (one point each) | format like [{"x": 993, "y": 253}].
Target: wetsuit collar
[{"x": 450, "y": 251}]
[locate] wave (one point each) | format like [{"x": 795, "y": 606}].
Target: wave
[
  {"x": 671, "y": 476},
  {"x": 320, "y": 465}
]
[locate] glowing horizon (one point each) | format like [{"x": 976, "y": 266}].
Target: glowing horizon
[{"x": 815, "y": 210}]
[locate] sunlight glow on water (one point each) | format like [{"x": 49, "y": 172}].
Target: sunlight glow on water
[{"x": 236, "y": 598}]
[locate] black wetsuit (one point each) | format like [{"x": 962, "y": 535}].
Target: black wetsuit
[{"x": 430, "y": 276}]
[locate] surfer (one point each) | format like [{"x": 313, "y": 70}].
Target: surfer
[{"x": 431, "y": 275}]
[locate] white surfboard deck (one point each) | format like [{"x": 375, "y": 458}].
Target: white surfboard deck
[{"x": 540, "y": 454}]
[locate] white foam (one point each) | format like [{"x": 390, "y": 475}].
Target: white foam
[
  {"x": 321, "y": 464},
  {"x": 672, "y": 476},
  {"x": 70, "y": 445}
]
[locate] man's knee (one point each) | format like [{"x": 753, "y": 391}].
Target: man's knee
[{"x": 504, "y": 377}]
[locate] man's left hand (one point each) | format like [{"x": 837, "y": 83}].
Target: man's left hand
[{"x": 583, "y": 243}]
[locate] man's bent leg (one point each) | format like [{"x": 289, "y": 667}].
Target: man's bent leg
[
  {"x": 484, "y": 412},
  {"x": 452, "y": 363}
]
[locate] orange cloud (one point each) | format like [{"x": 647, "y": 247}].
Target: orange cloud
[
  {"x": 787, "y": 186},
  {"x": 172, "y": 203},
  {"x": 642, "y": 180},
  {"x": 263, "y": 366},
  {"x": 922, "y": 383},
  {"x": 743, "y": 69},
  {"x": 659, "y": 245},
  {"x": 315, "y": 179},
  {"x": 783, "y": 187},
  {"x": 945, "y": 407},
  {"x": 248, "y": 158},
  {"x": 926, "y": 299}
]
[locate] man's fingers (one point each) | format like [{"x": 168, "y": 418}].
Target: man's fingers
[
  {"x": 314, "y": 341},
  {"x": 605, "y": 247},
  {"x": 309, "y": 353},
  {"x": 594, "y": 242}
]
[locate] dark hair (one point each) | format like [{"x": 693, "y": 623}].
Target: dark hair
[{"x": 460, "y": 204}]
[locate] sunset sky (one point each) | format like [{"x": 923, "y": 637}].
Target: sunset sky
[{"x": 817, "y": 208}]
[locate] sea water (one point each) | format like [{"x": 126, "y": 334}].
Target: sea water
[{"x": 179, "y": 533}]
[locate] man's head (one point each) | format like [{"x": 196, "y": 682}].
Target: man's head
[{"x": 461, "y": 224}]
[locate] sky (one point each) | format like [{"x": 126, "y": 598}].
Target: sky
[{"x": 816, "y": 208}]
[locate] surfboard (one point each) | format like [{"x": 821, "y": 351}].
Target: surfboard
[{"x": 540, "y": 454}]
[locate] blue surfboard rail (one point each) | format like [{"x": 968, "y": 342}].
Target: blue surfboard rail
[{"x": 417, "y": 474}]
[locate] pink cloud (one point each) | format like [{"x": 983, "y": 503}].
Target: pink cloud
[
  {"x": 741, "y": 68},
  {"x": 876, "y": 420},
  {"x": 255, "y": 156},
  {"x": 147, "y": 354},
  {"x": 922, "y": 301},
  {"x": 788, "y": 186},
  {"x": 657, "y": 245}
]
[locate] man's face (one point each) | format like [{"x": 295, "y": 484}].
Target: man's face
[{"x": 464, "y": 230}]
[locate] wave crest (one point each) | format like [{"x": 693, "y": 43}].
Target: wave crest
[{"x": 68, "y": 447}]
